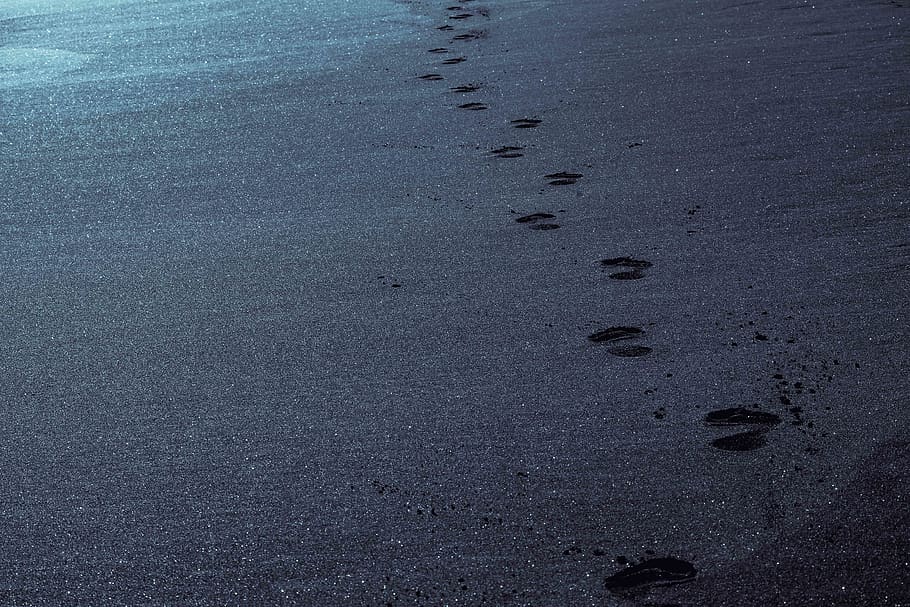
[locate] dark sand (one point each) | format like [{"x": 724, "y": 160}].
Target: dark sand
[{"x": 289, "y": 341}]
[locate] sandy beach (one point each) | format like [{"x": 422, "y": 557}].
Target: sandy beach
[{"x": 498, "y": 302}]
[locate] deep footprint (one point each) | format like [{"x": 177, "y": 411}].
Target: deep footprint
[
  {"x": 526, "y": 123},
  {"x": 473, "y": 106},
  {"x": 454, "y": 60},
  {"x": 630, "y": 351},
  {"x": 465, "y": 88},
  {"x": 438, "y": 50},
  {"x": 653, "y": 572},
  {"x": 535, "y": 217},
  {"x": 615, "y": 334},
  {"x": 743, "y": 441},
  {"x": 431, "y": 77},
  {"x": 736, "y": 416},
  {"x": 467, "y": 36}
]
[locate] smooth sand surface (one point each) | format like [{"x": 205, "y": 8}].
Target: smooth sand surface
[{"x": 620, "y": 320}]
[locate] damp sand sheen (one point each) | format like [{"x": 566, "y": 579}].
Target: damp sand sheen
[{"x": 21, "y": 67}]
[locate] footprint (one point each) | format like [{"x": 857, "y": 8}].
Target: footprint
[
  {"x": 740, "y": 416},
  {"x": 634, "y": 273},
  {"x": 563, "y": 178},
  {"x": 629, "y": 275},
  {"x": 630, "y": 351},
  {"x": 653, "y": 572},
  {"x": 431, "y": 77},
  {"x": 545, "y": 226},
  {"x": 535, "y": 217},
  {"x": 615, "y": 334},
  {"x": 445, "y": 28},
  {"x": 736, "y": 416},
  {"x": 454, "y": 60},
  {"x": 461, "y": 16},
  {"x": 508, "y": 151},
  {"x": 438, "y": 50},
  {"x": 472, "y": 35},
  {"x": 465, "y": 88},
  {"x": 743, "y": 441},
  {"x": 526, "y": 123},
  {"x": 473, "y": 106},
  {"x": 626, "y": 262}
]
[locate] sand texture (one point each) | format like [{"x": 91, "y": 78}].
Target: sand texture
[{"x": 500, "y": 302}]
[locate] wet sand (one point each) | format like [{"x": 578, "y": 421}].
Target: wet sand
[{"x": 532, "y": 303}]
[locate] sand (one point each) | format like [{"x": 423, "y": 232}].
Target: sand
[{"x": 608, "y": 312}]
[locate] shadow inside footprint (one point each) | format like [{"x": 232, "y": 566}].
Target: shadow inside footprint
[
  {"x": 431, "y": 77},
  {"x": 507, "y": 151},
  {"x": 526, "y": 123},
  {"x": 615, "y": 334},
  {"x": 535, "y": 217},
  {"x": 454, "y": 60},
  {"x": 653, "y": 572},
  {"x": 743, "y": 441},
  {"x": 465, "y": 88},
  {"x": 467, "y": 36},
  {"x": 626, "y": 262},
  {"x": 636, "y": 265},
  {"x": 736, "y": 416},
  {"x": 438, "y": 50},
  {"x": 473, "y": 106},
  {"x": 630, "y": 351},
  {"x": 563, "y": 178}
]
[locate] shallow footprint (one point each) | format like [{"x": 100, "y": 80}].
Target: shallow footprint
[
  {"x": 473, "y": 106},
  {"x": 615, "y": 334},
  {"x": 629, "y": 275},
  {"x": 630, "y": 351},
  {"x": 736, "y": 416},
  {"x": 467, "y": 36},
  {"x": 454, "y": 60},
  {"x": 743, "y": 441},
  {"x": 563, "y": 178},
  {"x": 636, "y": 265},
  {"x": 626, "y": 262},
  {"x": 653, "y": 572},
  {"x": 535, "y": 217},
  {"x": 545, "y": 226},
  {"x": 526, "y": 123},
  {"x": 564, "y": 175},
  {"x": 508, "y": 151}
]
